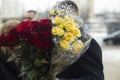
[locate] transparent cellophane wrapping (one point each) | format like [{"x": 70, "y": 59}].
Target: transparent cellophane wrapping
[{"x": 61, "y": 59}]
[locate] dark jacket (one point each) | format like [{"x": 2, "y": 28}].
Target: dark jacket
[
  {"x": 8, "y": 70},
  {"x": 88, "y": 67}
]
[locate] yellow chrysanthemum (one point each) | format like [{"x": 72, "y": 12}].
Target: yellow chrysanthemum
[
  {"x": 58, "y": 20},
  {"x": 77, "y": 45},
  {"x": 64, "y": 44},
  {"x": 60, "y": 31},
  {"x": 69, "y": 37},
  {"x": 54, "y": 30},
  {"x": 76, "y": 32},
  {"x": 69, "y": 25}
]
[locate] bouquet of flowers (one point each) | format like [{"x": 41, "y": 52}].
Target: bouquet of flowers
[
  {"x": 70, "y": 42},
  {"x": 32, "y": 42},
  {"x": 70, "y": 39},
  {"x": 46, "y": 47}
]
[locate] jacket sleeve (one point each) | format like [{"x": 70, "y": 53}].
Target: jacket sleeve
[
  {"x": 8, "y": 70},
  {"x": 88, "y": 67}
]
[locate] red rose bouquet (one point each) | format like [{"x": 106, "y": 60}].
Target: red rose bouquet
[{"x": 32, "y": 42}]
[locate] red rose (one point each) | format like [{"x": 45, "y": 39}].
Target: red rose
[
  {"x": 13, "y": 31},
  {"x": 45, "y": 24},
  {"x": 49, "y": 42},
  {"x": 24, "y": 26},
  {"x": 43, "y": 37},
  {"x": 35, "y": 25},
  {"x": 11, "y": 40},
  {"x": 30, "y": 39},
  {"x": 23, "y": 29},
  {"x": 43, "y": 40},
  {"x": 2, "y": 36}
]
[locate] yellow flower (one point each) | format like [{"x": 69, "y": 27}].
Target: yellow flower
[
  {"x": 60, "y": 31},
  {"x": 64, "y": 44},
  {"x": 69, "y": 25},
  {"x": 58, "y": 20},
  {"x": 59, "y": 12},
  {"x": 77, "y": 26},
  {"x": 61, "y": 25},
  {"x": 57, "y": 31},
  {"x": 52, "y": 12},
  {"x": 76, "y": 32},
  {"x": 54, "y": 30},
  {"x": 77, "y": 45},
  {"x": 69, "y": 37},
  {"x": 67, "y": 18}
]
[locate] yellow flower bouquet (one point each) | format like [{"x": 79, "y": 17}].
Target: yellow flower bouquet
[{"x": 70, "y": 40}]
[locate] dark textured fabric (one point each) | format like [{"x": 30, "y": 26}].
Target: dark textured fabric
[
  {"x": 88, "y": 67},
  {"x": 8, "y": 70}
]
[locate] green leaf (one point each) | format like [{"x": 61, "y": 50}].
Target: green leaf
[
  {"x": 43, "y": 61},
  {"x": 22, "y": 73},
  {"x": 13, "y": 57},
  {"x": 31, "y": 75},
  {"x": 25, "y": 67},
  {"x": 39, "y": 62}
]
